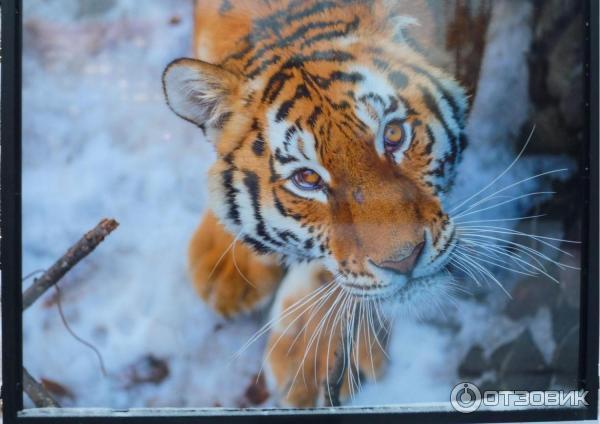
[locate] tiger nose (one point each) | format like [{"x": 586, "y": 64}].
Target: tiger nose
[{"x": 406, "y": 264}]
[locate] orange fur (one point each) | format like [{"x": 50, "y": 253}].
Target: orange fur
[
  {"x": 226, "y": 273},
  {"x": 275, "y": 79},
  {"x": 301, "y": 364}
]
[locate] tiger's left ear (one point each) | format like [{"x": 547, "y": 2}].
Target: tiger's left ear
[{"x": 200, "y": 92}]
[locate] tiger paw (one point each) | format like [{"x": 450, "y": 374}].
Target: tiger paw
[
  {"x": 309, "y": 314},
  {"x": 228, "y": 275}
]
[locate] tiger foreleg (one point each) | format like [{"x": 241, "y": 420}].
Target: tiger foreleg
[
  {"x": 309, "y": 314},
  {"x": 228, "y": 275}
]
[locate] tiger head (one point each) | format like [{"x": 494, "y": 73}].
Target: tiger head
[{"x": 339, "y": 145}]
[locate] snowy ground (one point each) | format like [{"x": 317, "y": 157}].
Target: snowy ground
[{"x": 98, "y": 141}]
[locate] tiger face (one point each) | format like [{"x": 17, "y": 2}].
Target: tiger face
[{"x": 336, "y": 141}]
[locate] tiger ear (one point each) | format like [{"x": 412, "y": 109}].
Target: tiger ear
[{"x": 199, "y": 92}]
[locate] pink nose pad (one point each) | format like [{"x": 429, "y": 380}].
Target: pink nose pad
[{"x": 407, "y": 264}]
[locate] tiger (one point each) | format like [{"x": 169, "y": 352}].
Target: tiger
[{"x": 337, "y": 143}]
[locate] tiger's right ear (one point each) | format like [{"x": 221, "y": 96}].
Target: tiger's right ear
[{"x": 199, "y": 92}]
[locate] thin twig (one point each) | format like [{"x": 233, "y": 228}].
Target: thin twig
[
  {"x": 333, "y": 384},
  {"x": 37, "y": 393},
  {"x": 76, "y": 253},
  {"x": 75, "y": 335}
]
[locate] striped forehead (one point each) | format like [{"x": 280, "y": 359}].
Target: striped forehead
[
  {"x": 292, "y": 146},
  {"x": 379, "y": 93}
]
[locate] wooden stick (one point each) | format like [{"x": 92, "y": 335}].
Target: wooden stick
[
  {"x": 37, "y": 393},
  {"x": 75, "y": 254},
  {"x": 335, "y": 380}
]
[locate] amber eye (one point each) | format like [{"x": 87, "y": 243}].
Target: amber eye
[
  {"x": 307, "y": 179},
  {"x": 393, "y": 136}
]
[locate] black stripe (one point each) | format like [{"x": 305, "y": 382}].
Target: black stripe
[
  {"x": 231, "y": 192},
  {"x": 257, "y": 245},
  {"x": 279, "y": 78},
  {"x": 372, "y": 96},
  {"x": 329, "y": 35},
  {"x": 282, "y": 210},
  {"x": 456, "y": 112},
  {"x": 298, "y": 34},
  {"x": 393, "y": 106},
  {"x": 309, "y": 244},
  {"x": 429, "y": 147},
  {"x": 352, "y": 77},
  {"x": 289, "y": 133},
  {"x": 286, "y": 235},
  {"x": 274, "y": 174},
  {"x": 275, "y": 85},
  {"x": 283, "y": 158},
  {"x": 286, "y": 106},
  {"x": 312, "y": 119},
  {"x": 332, "y": 55},
  {"x": 258, "y": 145},
  {"x": 432, "y": 105},
  {"x": 252, "y": 183},
  {"x": 266, "y": 64},
  {"x": 382, "y": 65}
]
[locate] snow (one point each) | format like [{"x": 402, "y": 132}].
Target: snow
[{"x": 99, "y": 141}]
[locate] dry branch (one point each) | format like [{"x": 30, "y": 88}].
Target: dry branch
[
  {"x": 76, "y": 253},
  {"x": 36, "y": 392},
  {"x": 342, "y": 358}
]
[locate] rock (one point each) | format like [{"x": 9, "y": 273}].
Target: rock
[
  {"x": 520, "y": 365},
  {"x": 566, "y": 359},
  {"x": 474, "y": 364},
  {"x": 148, "y": 369},
  {"x": 530, "y": 294},
  {"x": 256, "y": 393}
]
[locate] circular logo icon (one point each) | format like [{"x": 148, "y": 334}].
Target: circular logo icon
[{"x": 465, "y": 397}]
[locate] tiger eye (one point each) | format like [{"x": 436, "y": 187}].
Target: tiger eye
[
  {"x": 393, "y": 136},
  {"x": 307, "y": 179}
]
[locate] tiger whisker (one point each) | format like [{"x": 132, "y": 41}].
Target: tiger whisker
[
  {"x": 512, "y": 199},
  {"x": 312, "y": 338},
  {"x": 288, "y": 311},
  {"x": 505, "y": 250},
  {"x": 495, "y": 255},
  {"x": 378, "y": 313},
  {"x": 522, "y": 247},
  {"x": 466, "y": 268},
  {"x": 316, "y": 338},
  {"x": 336, "y": 320},
  {"x": 371, "y": 329},
  {"x": 515, "y": 257},
  {"x": 485, "y": 271},
  {"x": 490, "y": 196},
  {"x": 502, "y": 230},
  {"x": 520, "y": 218},
  {"x": 210, "y": 274},
  {"x": 340, "y": 306},
  {"x": 478, "y": 256},
  {"x": 284, "y": 332},
  {"x": 238, "y": 268},
  {"x": 356, "y": 345},
  {"x": 316, "y": 306},
  {"x": 508, "y": 168}
]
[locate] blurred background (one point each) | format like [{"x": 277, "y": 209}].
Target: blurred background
[{"x": 99, "y": 141}]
